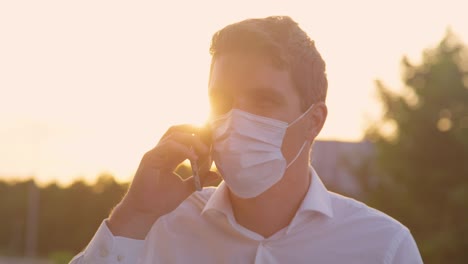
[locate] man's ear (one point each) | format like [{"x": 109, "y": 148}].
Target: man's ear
[{"x": 316, "y": 119}]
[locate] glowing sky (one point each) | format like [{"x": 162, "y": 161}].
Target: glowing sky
[{"x": 89, "y": 86}]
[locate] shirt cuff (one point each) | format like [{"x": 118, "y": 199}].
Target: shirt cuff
[{"x": 107, "y": 248}]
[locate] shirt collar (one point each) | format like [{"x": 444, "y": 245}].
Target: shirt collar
[
  {"x": 219, "y": 201},
  {"x": 317, "y": 199}
]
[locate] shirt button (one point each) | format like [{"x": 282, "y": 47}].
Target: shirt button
[
  {"x": 120, "y": 258},
  {"x": 104, "y": 252}
]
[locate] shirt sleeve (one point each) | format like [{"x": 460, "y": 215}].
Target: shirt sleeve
[
  {"x": 407, "y": 251},
  {"x": 105, "y": 248}
]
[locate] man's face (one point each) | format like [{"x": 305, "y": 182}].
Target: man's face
[{"x": 252, "y": 84}]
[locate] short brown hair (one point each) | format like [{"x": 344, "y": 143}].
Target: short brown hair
[{"x": 282, "y": 40}]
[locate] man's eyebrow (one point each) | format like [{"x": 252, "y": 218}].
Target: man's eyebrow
[{"x": 255, "y": 91}]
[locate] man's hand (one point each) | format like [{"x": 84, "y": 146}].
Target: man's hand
[{"x": 156, "y": 190}]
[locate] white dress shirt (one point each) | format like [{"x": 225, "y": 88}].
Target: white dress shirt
[{"x": 327, "y": 228}]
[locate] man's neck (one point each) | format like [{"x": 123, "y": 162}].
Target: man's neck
[{"x": 274, "y": 209}]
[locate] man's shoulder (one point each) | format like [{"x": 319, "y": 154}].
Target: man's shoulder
[
  {"x": 367, "y": 229},
  {"x": 355, "y": 214}
]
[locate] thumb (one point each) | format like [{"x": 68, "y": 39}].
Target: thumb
[{"x": 211, "y": 178}]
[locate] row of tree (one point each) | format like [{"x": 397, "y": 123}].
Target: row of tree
[{"x": 67, "y": 217}]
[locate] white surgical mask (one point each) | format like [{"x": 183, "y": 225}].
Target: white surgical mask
[{"x": 247, "y": 151}]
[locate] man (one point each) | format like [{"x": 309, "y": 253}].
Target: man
[{"x": 267, "y": 89}]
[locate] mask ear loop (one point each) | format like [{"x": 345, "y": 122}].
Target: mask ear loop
[
  {"x": 301, "y": 116},
  {"x": 305, "y": 142},
  {"x": 298, "y": 154}
]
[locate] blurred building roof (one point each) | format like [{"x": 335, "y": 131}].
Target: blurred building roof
[{"x": 335, "y": 161}]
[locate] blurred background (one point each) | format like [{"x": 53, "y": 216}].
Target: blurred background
[{"x": 87, "y": 87}]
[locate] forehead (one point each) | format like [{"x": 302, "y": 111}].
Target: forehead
[{"x": 236, "y": 72}]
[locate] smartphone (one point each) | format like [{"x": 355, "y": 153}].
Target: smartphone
[{"x": 203, "y": 164}]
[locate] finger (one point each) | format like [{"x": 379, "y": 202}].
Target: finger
[
  {"x": 211, "y": 179},
  {"x": 169, "y": 154},
  {"x": 185, "y": 128},
  {"x": 205, "y": 134},
  {"x": 208, "y": 179},
  {"x": 190, "y": 140}
]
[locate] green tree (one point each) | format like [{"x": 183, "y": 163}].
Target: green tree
[
  {"x": 68, "y": 216},
  {"x": 13, "y": 209},
  {"x": 423, "y": 158}
]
